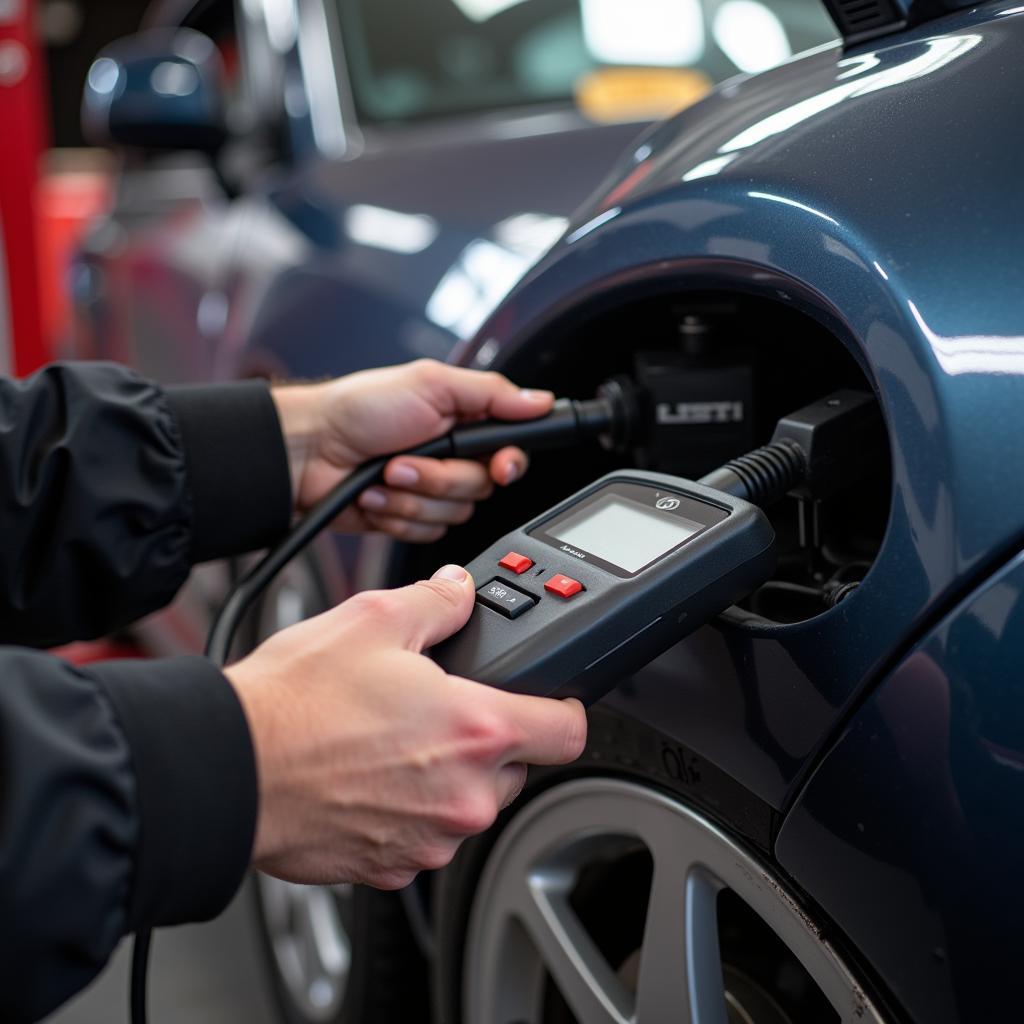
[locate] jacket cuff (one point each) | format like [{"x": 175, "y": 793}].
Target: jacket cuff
[
  {"x": 236, "y": 465},
  {"x": 197, "y": 789}
]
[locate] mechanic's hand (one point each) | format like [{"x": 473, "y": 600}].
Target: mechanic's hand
[
  {"x": 331, "y": 428},
  {"x": 373, "y": 763}
]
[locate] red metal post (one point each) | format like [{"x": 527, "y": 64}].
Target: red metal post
[{"x": 22, "y": 127}]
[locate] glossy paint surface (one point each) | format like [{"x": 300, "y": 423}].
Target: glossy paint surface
[
  {"x": 915, "y": 816},
  {"x": 404, "y": 251},
  {"x": 878, "y": 190}
]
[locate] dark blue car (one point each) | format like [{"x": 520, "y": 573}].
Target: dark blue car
[{"x": 809, "y": 811}]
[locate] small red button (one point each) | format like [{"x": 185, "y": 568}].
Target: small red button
[
  {"x": 564, "y": 586},
  {"x": 516, "y": 563}
]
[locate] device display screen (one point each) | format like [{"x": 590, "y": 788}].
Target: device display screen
[{"x": 623, "y": 532}]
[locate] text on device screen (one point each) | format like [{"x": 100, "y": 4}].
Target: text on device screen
[{"x": 623, "y": 532}]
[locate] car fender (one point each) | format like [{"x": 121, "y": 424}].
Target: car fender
[
  {"x": 908, "y": 832},
  {"x": 830, "y": 205}
]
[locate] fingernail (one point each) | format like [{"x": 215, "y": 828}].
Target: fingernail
[
  {"x": 534, "y": 395},
  {"x": 373, "y": 498},
  {"x": 512, "y": 473},
  {"x": 403, "y": 475},
  {"x": 451, "y": 572}
]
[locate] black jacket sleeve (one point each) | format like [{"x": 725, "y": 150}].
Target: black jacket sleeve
[
  {"x": 111, "y": 489},
  {"x": 128, "y": 799},
  {"x": 128, "y": 790}
]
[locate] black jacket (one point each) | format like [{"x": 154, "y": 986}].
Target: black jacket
[{"x": 127, "y": 790}]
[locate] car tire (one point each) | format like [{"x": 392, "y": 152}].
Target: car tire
[
  {"x": 335, "y": 954},
  {"x": 593, "y": 860},
  {"x": 384, "y": 979}
]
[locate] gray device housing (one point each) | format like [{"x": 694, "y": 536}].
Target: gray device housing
[{"x": 585, "y": 645}]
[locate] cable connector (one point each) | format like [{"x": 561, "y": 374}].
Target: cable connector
[
  {"x": 608, "y": 417},
  {"x": 763, "y": 476},
  {"x": 842, "y": 437},
  {"x": 814, "y": 452}
]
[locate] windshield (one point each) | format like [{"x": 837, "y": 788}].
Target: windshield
[{"x": 411, "y": 59}]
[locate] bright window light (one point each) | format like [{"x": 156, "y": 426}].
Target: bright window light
[
  {"x": 709, "y": 168},
  {"x": 380, "y": 228},
  {"x": 103, "y": 76},
  {"x": 471, "y": 290},
  {"x": 484, "y": 10},
  {"x": 750, "y": 35},
  {"x": 282, "y": 22},
  {"x": 174, "y": 78},
  {"x": 644, "y": 32},
  {"x": 531, "y": 234}
]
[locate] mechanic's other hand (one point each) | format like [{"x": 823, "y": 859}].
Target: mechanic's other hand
[
  {"x": 331, "y": 428},
  {"x": 373, "y": 763}
]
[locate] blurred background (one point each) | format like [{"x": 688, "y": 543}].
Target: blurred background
[{"x": 342, "y": 82}]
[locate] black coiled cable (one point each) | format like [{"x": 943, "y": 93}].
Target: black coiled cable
[{"x": 763, "y": 476}]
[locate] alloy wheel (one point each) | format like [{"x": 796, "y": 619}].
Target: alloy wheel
[
  {"x": 310, "y": 942},
  {"x": 527, "y": 933}
]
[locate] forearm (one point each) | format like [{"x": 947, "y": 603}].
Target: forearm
[{"x": 131, "y": 802}]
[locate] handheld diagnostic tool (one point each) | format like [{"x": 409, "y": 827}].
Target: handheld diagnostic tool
[{"x": 597, "y": 586}]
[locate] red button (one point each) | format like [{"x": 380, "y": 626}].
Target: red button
[
  {"x": 516, "y": 563},
  {"x": 564, "y": 586}
]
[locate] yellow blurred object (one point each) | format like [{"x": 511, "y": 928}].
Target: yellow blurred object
[{"x": 639, "y": 94}]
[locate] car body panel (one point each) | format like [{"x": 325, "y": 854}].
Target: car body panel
[
  {"x": 909, "y": 253},
  {"x": 917, "y": 810},
  {"x": 478, "y": 210}
]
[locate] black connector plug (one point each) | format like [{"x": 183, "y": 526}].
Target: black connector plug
[
  {"x": 763, "y": 476},
  {"x": 813, "y": 453},
  {"x": 840, "y": 436},
  {"x": 608, "y": 417}
]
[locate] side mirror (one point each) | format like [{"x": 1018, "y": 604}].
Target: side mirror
[{"x": 161, "y": 89}]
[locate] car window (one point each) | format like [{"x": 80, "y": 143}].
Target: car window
[{"x": 419, "y": 59}]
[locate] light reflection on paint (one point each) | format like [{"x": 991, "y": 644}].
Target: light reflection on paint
[
  {"x": 792, "y": 202},
  {"x": 484, "y": 10},
  {"x": 103, "y": 76},
  {"x": 940, "y": 53},
  {"x": 323, "y": 100},
  {"x": 282, "y": 22},
  {"x": 174, "y": 78},
  {"x": 857, "y": 65},
  {"x": 380, "y": 228},
  {"x": 974, "y": 353},
  {"x": 593, "y": 224},
  {"x": 750, "y": 35},
  {"x": 861, "y": 76},
  {"x": 709, "y": 167},
  {"x": 488, "y": 269}
]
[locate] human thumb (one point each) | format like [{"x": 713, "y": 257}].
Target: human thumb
[{"x": 434, "y": 609}]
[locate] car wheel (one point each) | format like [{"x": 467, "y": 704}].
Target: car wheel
[
  {"x": 605, "y": 900},
  {"x": 336, "y": 954}
]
